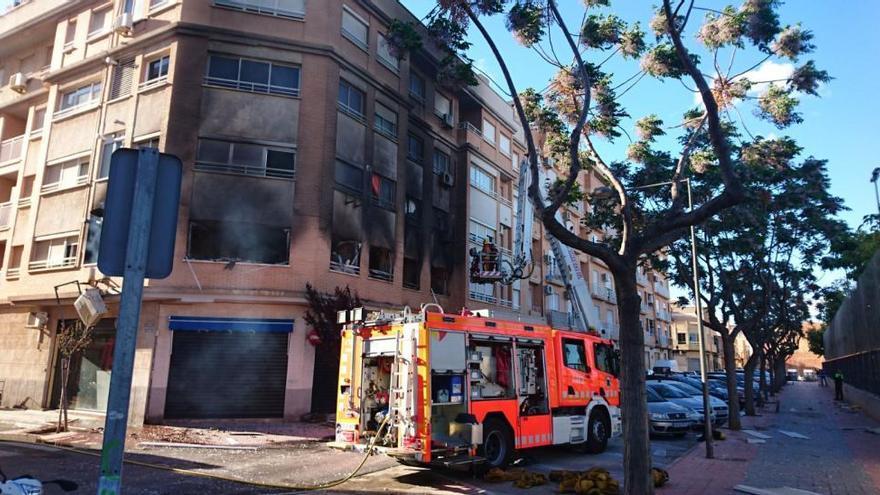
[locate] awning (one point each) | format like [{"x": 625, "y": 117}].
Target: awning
[{"x": 209, "y": 324}]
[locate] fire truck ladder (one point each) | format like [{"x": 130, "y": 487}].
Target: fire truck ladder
[{"x": 401, "y": 408}]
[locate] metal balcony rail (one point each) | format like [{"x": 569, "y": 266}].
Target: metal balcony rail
[
  {"x": 10, "y": 149},
  {"x": 51, "y": 263}
]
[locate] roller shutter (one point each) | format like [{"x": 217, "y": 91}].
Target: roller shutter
[{"x": 227, "y": 368}]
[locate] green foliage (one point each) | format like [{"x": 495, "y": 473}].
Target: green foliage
[
  {"x": 807, "y": 78},
  {"x": 792, "y": 42},
  {"x": 649, "y": 127},
  {"x": 663, "y": 61},
  {"x": 575, "y": 195},
  {"x": 632, "y": 42},
  {"x": 854, "y": 249},
  {"x": 403, "y": 38},
  {"x": 816, "y": 340},
  {"x": 454, "y": 72},
  {"x": 526, "y": 21},
  {"x": 777, "y": 105},
  {"x": 726, "y": 28},
  {"x": 601, "y": 31},
  {"x": 761, "y": 22},
  {"x": 769, "y": 153}
]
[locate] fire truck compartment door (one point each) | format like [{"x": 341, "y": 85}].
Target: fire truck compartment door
[
  {"x": 447, "y": 351},
  {"x": 380, "y": 347}
]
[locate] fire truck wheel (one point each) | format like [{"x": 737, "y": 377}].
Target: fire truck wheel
[
  {"x": 497, "y": 446},
  {"x": 598, "y": 431}
]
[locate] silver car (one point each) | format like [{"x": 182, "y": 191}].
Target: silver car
[
  {"x": 677, "y": 396},
  {"x": 719, "y": 407},
  {"x": 668, "y": 418}
]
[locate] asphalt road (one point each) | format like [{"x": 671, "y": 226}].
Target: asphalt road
[{"x": 298, "y": 466}]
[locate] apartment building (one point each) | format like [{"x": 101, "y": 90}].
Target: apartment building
[
  {"x": 686, "y": 348},
  {"x": 311, "y": 155}
]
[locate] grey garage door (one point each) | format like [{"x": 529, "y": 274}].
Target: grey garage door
[{"x": 233, "y": 373}]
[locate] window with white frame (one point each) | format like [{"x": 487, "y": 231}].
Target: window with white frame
[
  {"x": 385, "y": 53},
  {"x": 154, "y": 4},
  {"x": 259, "y": 160},
  {"x": 66, "y": 174},
  {"x": 355, "y": 28},
  {"x": 488, "y": 131},
  {"x": 56, "y": 252},
  {"x": 256, "y": 76},
  {"x": 478, "y": 232},
  {"x": 157, "y": 71},
  {"x": 294, "y": 9},
  {"x": 98, "y": 21},
  {"x": 80, "y": 97},
  {"x": 150, "y": 142},
  {"x": 38, "y": 120},
  {"x": 504, "y": 144},
  {"x": 386, "y": 121},
  {"x": 121, "y": 80},
  {"x": 442, "y": 105},
  {"x": 112, "y": 142},
  {"x": 70, "y": 33},
  {"x": 482, "y": 180},
  {"x": 351, "y": 99}
]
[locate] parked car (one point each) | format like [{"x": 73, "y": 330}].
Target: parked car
[
  {"x": 673, "y": 394},
  {"x": 716, "y": 389},
  {"x": 668, "y": 418},
  {"x": 719, "y": 407}
]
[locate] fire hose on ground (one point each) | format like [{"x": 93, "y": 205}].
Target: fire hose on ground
[{"x": 189, "y": 472}]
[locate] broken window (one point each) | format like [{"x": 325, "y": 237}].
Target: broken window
[
  {"x": 216, "y": 155},
  {"x": 382, "y": 190},
  {"x": 412, "y": 253},
  {"x": 345, "y": 255},
  {"x": 238, "y": 241},
  {"x": 413, "y": 209},
  {"x": 381, "y": 263},
  {"x": 412, "y": 273},
  {"x": 440, "y": 280},
  {"x": 350, "y": 177},
  {"x": 93, "y": 238}
]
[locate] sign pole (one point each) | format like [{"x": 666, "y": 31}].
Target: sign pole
[{"x": 110, "y": 482}]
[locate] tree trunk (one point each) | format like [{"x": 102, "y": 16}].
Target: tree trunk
[
  {"x": 762, "y": 381},
  {"x": 62, "y": 400},
  {"x": 634, "y": 409},
  {"x": 727, "y": 344},
  {"x": 748, "y": 382},
  {"x": 780, "y": 377}
]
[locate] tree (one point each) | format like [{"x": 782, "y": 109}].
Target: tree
[
  {"x": 73, "y": 337},
  {"x": 816, "y": 340},
  {"x": 582, "y": 105},
  {"x": 321, "y": 316}
]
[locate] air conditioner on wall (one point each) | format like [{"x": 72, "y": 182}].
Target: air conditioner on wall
[
  {"x": 18, "y": 82},
  {"x": 447, "y": 180},
  {"x": 90, "y": 307},
  {"x": 37, "y": 319},
  {"x": 124, "y": 23}
]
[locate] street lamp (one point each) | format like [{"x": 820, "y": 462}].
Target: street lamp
[
  {"x": 606, "y": 191},
  {"x": 875, "y": 174}
]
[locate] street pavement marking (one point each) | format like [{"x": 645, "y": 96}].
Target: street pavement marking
[
  {"x": 755, "y": 440},
  {"x": 785, "y": 490},
  {"x": 757, "y": 434},
  {"x": 793, "y": 434}
]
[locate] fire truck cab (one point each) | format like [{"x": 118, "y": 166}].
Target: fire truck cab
[{"x": 467, "y": 388}]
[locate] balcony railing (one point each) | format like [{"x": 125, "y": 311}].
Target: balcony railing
[
  {"x": 343, "y": 267},
  {"x": 10, "y": 149},
  {"x": 465, "y": 125},
  {"x": 486, "y": 298},
  {"x": 13, "y": 273},
  {"x": 381, "y": 275},
  {"x": 6, "y": 210},
  {"x": 57, "y": 186},
  {"x": 605, "y": 294},
  {"x": 49, "y": 264},
  {"x": 661, "y": 289}
]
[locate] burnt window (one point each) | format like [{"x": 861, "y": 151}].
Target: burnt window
[
  {"x": 415, "y": 149},
  {"x": 345, "y": 255},
  {"x": 349, "y": 176},
  {"x": 412, "y": 273},
  {"x": 382, "y": 191},
  {"x": 413, "y": 209},
  {"x": 440, "y": 280},
  {"x": 219, "y": 240},
  {"x": 257, "y": 160},
  {"x": 381, "y": 263},
  {"x": 93, "y": 238}
]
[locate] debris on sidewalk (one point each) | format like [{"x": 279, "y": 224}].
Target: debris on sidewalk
[
  {"x": 196, "y": 446},
  {"x": 519, "y": 476},
  {"x": 596, "y": 481},
  {"x": 794, "y": 434},
  {"x": 772, "y": 491}
]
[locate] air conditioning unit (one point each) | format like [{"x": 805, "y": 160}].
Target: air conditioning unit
[
  {"x": 446, "y": 179},
  {"x": 18, "y": 82},
  {"x": 37, "y": 319},
  {"x": 90, "y": 306},
  {"x": 448, "y": 120},
  {"x": 124, "y": 23},
  {"x": 548, "y": 290}
]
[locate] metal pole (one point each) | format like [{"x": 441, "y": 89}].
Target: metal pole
[
  {"x": 110, "y": 482},
  {"x": 707, "y": 409}
]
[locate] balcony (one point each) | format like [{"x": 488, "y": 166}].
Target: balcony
[
  {"x": 663, "y": 340},
  {"x": 661, "y": 289},
  {"x": 605, "y": 294},
  {"x": 10, "y": 150},
  {"x": 50, "y": 264},
  {"x": 663, "y": 314},
  {"x": 6, "y": 212},
  {"x": 641, "y": 278}
]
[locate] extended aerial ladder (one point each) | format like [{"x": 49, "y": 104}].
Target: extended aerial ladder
[{"x": 488, "y": 266}]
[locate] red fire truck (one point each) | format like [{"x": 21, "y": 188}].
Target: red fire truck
[{"x": 457, "y": 389}]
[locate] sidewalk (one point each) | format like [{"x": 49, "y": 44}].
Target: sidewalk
[{"x": 839, "y": 458}]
